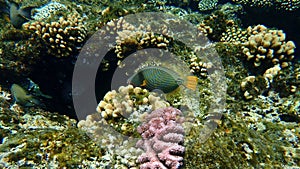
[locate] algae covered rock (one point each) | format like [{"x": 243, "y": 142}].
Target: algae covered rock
[{"x": 32, "y": 137}]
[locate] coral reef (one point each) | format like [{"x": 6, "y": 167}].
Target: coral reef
[
  {"x": 287, "y": 5},
  {"x": 266, "y": 47},
  {"x": 163, "y": 137},
  {"x": 259, "y": 40},
  {"x": 255, "y": 85},
  {"x": 131, "y": 37},
  {"x": 260, "y": 123},
  {"x": 120, "y": 152},
  {"x": 234, "y": 34},
  {"x": 206, "y": 5},
  {"x": 265, "y": 52},
  {"x": 22, "y": 50},
  {"x": 12, "y": 58},
  {"x": 122, "y": 109},
  {"x": 126, "y": 100},
  {"x": 62, "y": 37},
  {"x": 198, "y": 67},
  {"x": 35, "y": 138},
  {"x": 214, "y": 25},
  {"x": 47, "y": 10},
  {"x": 287, "y": 81},
  {"x": 254, "y": 134},
  {"x": 117, "y": 116},
  {"x": 262, "y": 47}
]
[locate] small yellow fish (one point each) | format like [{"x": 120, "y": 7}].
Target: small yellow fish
[
  {"x": 21, "y": 96},
  {"x": 166, "y": 80}
]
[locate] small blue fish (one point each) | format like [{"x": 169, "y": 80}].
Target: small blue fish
[{"x": 166, "y": 80}]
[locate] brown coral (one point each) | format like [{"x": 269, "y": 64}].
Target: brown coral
[
  {"x": 61, "y": 37},
  {"x": 268, "y": 47},
  {"x": 130, "y": 37}
]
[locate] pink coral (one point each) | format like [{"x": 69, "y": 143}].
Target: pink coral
[{"x": 163, "y": 136}]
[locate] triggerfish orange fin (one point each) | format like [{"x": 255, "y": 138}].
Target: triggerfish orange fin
[
  {"x": 191, "y": 82},
  {"x": 144, "y": 83}
]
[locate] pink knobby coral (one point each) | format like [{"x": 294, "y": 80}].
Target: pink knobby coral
[{"x": 163, "y": 136}]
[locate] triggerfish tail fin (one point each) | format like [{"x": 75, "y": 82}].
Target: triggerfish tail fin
[{"x": 191, "y": 82}]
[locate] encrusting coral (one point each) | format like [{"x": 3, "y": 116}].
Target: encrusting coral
[
  {"x": 163, "y": 136},
  {"x": 47, "y": 10}
]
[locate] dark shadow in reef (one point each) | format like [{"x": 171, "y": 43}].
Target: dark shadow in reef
[
  {"x": 104, "y": 77},
  {"x": 54, "y": 77}
]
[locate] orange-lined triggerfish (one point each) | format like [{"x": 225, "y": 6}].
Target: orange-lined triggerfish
[{"x": 164, "y": 79}]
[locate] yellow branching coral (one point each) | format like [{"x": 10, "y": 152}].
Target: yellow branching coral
[{"x": 61, "y": 37}]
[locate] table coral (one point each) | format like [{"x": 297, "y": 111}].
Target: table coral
[{"x": 163, "y": 137}]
